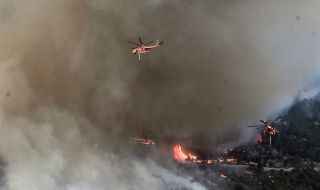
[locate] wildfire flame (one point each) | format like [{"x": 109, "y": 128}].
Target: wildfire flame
[
  {"x": 183, "y": 155},
  {"x": 178, "y": 154},
  {"x": 231, "y": 160},
  {"x": 192, "y": 157}
]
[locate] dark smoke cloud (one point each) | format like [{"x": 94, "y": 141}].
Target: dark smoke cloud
[
  {"x": 224, "y": 64},
  {"x": 72, "y": 95}
]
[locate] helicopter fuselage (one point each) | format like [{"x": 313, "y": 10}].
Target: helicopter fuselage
[{"x": 142, "y": 49}]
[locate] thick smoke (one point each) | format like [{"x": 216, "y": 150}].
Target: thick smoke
[
  {"x": 224, "y": 63},
  {"x": 72, "y": 95}
]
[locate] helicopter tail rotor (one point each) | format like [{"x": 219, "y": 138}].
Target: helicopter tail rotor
[{"x": 159, "y": 43}]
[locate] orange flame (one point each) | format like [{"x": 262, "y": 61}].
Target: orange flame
[
  {"x": 178, "y": 154},
  {"x": 231, "y": 160},
  {"x": 192, "y": 157},
  {"x": 182, "y": 155}
]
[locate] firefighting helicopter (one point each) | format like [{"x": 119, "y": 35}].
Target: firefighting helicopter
[
  {"x": 144, "y": 48},
  {"x": 268, "y": 128},
  {"x": 145, "y": 140}
]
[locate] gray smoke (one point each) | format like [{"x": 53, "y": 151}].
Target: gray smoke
[
  {"x": 224, "y": 63},
  {"x": 71, "y": 94}
]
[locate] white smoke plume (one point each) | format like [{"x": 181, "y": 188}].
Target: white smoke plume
[
  {"x": 71, "y": 94},
  {"x": 61, "y": 152}
]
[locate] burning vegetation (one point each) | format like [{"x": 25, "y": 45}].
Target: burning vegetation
[
  {"x": 181, "y": 155},
  {"x": 260, "y": 164}
]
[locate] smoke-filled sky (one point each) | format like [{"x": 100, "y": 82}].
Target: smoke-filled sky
[{"x": 72, "y": 95}]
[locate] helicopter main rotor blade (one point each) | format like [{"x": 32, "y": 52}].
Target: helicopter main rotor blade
[
  {"x": 262, "y": 121},
  {"x": 149, "y": 42},
  {"x": 256, "y": 126},
  {"x": 140, "y": 41},
  {"x": 133, "y": 43}
]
